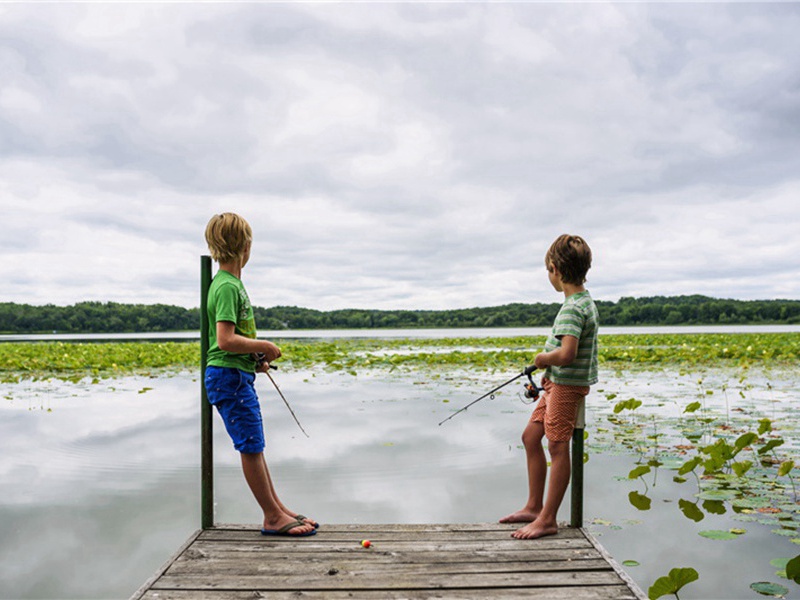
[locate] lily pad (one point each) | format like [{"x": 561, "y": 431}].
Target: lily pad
[
  {"x": 717, "y": 534},
  {"x": 717, "y": 495},
  {"x": 631, "y": 563},
  {"x": 766, "y": 588}
]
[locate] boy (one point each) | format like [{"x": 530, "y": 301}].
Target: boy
[
  {"x": 231, "y": 371},
  {"x": 570, "y": 363}
]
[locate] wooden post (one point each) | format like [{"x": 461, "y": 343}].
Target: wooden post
[
  {"x": 576, "y": 499},
  {"x": 576, "y": 502},
  {"x": 206, "y": 423}
]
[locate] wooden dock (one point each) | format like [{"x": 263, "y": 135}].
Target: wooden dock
[{"x": 471, "y": 561}]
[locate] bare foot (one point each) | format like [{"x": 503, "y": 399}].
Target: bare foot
[
  {"x": 286, "y": 520},
  {"x": 521, "y": 516},
  {"x": 535, "y": 530},
  {"x": 305, "y": 519}
]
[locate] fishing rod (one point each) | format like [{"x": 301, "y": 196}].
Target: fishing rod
[
  {"x": 260, "y": 360},
  {"x": 531, "y": 390}
]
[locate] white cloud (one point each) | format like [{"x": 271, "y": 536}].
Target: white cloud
[{"x": 396, "y": 155}]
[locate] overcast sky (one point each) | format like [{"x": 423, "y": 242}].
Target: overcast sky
[{"x": 399, "y": 155}]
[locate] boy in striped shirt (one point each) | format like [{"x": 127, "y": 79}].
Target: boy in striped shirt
[{"x": 570, "y": 363}]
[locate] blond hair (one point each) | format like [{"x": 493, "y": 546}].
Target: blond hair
[
  {"x": 571, "y": 255},
  {"x": 227, "y": 236}
]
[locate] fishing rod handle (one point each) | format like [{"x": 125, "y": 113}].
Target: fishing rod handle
[
  {"x": 261, "y": 358},
  {"x": 529, "y": 369}
]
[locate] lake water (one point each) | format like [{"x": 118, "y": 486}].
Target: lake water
[
  {"x": 100, "y": 483},
  {"x": 465, "y": 332}
]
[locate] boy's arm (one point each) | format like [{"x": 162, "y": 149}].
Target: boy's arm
[
  {"x": 561, "y": 356},
  {"x": 229, "y": 341}
]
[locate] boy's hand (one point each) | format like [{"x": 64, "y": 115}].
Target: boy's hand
[
  {"x": 262, "y": 366},
  {"x": 541, "y": 361},
  {"x": 271, "y": 351}
]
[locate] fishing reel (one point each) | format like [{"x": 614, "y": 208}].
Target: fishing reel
[
  {"x": 532, "y": 390},
  {"x": 260, "y": 359}
]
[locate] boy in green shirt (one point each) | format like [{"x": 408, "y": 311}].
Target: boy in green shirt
[
  {"x": 231, "y": 369},
  {"x": 570, "y": 363}
]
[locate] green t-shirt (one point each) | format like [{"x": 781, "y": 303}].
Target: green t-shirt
[
  {"x": 228, "y": 301},
  {"x": 578, "y": 318}
]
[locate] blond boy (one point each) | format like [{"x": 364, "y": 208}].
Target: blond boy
[{"x": 231, "y": 371}]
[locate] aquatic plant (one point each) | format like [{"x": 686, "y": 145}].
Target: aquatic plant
[
  {"x": 511, "y": 354},
  {"x": 672, "y": 583}
]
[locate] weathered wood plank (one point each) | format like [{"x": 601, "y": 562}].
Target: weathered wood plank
[
  {"x": 600, "y": 592},
  {"x": 384, "y": 581},
  {"x": 354, "y": 552},
  {"x": 243, "y": 569},
  {"x": 617, "y": 592},
  {"x": 375, "y": 533}
]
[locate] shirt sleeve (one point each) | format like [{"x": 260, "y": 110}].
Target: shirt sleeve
[
  {"x": 226, "y": 305},
  {"x": 570, "y": 321}
]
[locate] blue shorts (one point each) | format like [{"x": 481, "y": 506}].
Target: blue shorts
[{"x": 233, "y": 392}]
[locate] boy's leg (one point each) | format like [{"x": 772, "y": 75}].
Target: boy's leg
[
  {"x": 559, "y": 423},
  {"x": 560, "y": 469},
  {"x": 257, "y": 476},
  {"x": 275, "y": 494},
  {"x": 536, "y": 463}
]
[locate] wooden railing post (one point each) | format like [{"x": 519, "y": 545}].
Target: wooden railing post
[
  {"x": 206, "y": 423},
  {"x": 576, "y": 499}
]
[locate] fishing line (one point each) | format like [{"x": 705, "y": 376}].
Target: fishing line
[
  {"x": 531, "y": 391},
  {"x": 259, "y": 358}
]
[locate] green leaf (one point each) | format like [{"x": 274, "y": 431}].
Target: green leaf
[
  {"x": 639, "y": 501},
  {"x": 717, "y": 534},
  {"x": 630, "y": 563},
  {"x": 793, "y": 569},
  {"x": 690, "y": 510},
  {"x": 779, "y": 563},
  {"x": 740, "y": 468},
  {"x": 770, "y": 445},
  {"x": 785, "y": 468},
  {"x": 714, "y": 507},
  {"x": 764, "y": 426},
  {"x": 639, "y": 471},
  {"x": 765, "y": 588},
  {"x": 672, "y": 583},
  {"x": 630, "y": 404},
  {"x": 745, "y": 440},
  {"x": 690, "y": 465},
  {"x": 690, "y": 408},
  {"x": 717, "y": 495}
]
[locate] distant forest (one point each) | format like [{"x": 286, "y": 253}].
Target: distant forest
[{"x": 111, "y": 317}]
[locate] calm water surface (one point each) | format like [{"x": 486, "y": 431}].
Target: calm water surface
[{"x": 100, "y": 483}]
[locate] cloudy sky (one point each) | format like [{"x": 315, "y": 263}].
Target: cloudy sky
[{"x": 416, "y": 155}]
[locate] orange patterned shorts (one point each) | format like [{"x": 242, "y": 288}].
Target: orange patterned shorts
[{"x": 558, "y": 409}]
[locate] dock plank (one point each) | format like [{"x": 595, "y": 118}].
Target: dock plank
[{"x": 467, "y": 561}]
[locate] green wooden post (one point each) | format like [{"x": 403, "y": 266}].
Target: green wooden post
[
  {"x": 576, "y": 501},
  {"x": 206, "y": 423}
]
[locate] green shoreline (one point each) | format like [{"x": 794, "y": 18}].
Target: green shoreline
[{"x": 74, "y": 360}]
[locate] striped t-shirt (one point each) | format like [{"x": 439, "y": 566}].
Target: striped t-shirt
[{"x": 578, "y": 318}]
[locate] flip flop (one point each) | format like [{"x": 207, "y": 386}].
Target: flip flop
[
  {"x": 303, "y": 518},
  {"x": 284, "y": 531}
]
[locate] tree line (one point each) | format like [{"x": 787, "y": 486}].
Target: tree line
[{"x": 112, "y": 317}]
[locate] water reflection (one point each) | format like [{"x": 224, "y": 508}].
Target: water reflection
[{"x": 100, "y": 483}]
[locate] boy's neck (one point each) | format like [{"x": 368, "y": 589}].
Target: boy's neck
[
  {"x": 571, "y": 289},
  {"x": 234, "y": 268}
]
